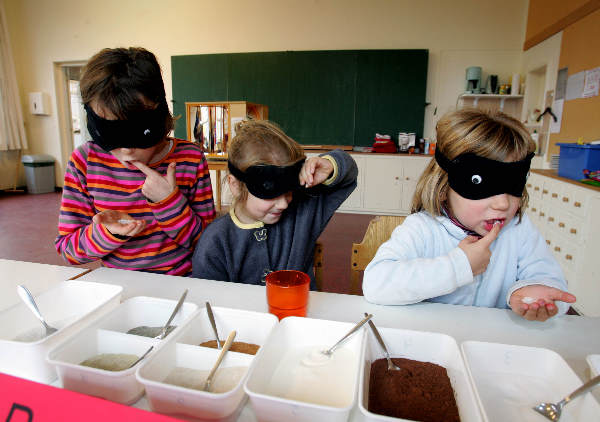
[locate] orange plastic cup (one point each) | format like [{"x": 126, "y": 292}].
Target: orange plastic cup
[{"x": 287, "y": 293}]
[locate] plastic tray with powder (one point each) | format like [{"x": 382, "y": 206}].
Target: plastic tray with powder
[
  {"x": 151, "y": 332},
  {"x": 225, "y": 379},
  {"x": 111, "y": 361},
  {"x": 421, "y": 391},
  {"x": 236, "y": 346}
]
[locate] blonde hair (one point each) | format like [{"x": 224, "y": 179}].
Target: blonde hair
[
  {"x": 489, "y": 134},
  {"x": 261, "y": 142}
]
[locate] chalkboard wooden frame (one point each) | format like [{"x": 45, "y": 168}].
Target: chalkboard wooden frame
[{"x": 335, "y": 97}]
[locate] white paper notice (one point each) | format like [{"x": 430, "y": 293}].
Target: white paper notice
[
  {"x": 234, "y": 121},
  {"x": 592, "y": 82},
  {"x": 575, "y": 86},
  {"x": 557, "y": 109}
]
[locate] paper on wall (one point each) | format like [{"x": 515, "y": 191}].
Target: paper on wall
[
  {"x": 557, "y": 109},
  {"x": 234, "y": 121},
  {"x": 592, "y": 83},
  {"x": 575, "y": 86}
]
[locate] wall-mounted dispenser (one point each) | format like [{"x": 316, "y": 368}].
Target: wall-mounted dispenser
[{"x": 39, "y": 103}]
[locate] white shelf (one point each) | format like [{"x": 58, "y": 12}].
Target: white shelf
[{"x": 506, "y": 97}]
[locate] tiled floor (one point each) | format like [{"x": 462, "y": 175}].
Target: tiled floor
[{"x": 28, "y": 227}]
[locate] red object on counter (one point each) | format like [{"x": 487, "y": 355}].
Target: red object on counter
[
  {"x": 384, "y": 144},
  {"x": 27, "y": 401}
]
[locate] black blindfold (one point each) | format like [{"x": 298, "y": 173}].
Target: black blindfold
[
  {"x": 144, "y": 129},
  {"x": 475, "y": 177},
  {"x": 268, "y": 181}
]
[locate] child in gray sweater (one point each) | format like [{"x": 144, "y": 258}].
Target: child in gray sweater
[{"x": 281, "y": 204}]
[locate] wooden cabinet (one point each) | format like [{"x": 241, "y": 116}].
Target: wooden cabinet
[
  {"x": 564, "y": 212},
  {"x": 212, "y": 124}
]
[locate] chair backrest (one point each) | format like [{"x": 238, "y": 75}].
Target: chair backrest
[
  {"x": 379, "y": 230},
  {"x": 318, "y": 265}
]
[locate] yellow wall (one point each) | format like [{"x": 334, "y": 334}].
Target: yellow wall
[{"x": 458, "y": 34}]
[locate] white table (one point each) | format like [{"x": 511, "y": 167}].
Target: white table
[
  {"x": 36, "y": 277},
  {"x": 573, "y": 337}
]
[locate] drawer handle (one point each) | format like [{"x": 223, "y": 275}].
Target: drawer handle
[
  {"x": 550, "y": 218},
  {"x": 577, "y": 204},
  {"x": 561, "y": 224},
  {"x": 408, "y": 178},
  {"x": 397, "y": 178},
  {"x": 536, "y": 188},
  {"x": 565, "y": 199},
  {"x": 555, "y": 195},
  {"x": 568, "y": 257},
  {"x": 533, "y": 209},
  {"x": 547, "y": 241},
  {"x": 557, "y": 248},
  {"x": 574, "y": 231},
  {"x": 542, "y": 214},
  {"x": 528, "y": 185},
  {"x": 545, "y": 191}
]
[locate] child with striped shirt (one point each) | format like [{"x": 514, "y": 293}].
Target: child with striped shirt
[{"x": 132, "y": 197}]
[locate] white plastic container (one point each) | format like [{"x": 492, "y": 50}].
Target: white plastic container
[
  {"x": 68, "y": 306},
  {"x": 510, "y": 380},
  {"x": 184, "y": 351},
  {"x": 594, "y": 362},
  {"x": 108, "y": 335},
  {"x": 422, "y": 346},
  {"x": 277, "y": 379}
]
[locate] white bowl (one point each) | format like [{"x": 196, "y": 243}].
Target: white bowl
[
  {"x": 594, "y": 362},
  {"x": 510, "y": 380},
  {"x": 108, "y": 335},
  {"x": 421, "y": 346},
  {"x": 282, "y": 388},
  {"x": 184, "y": 352},
  {"x": 68, "y": 306}
]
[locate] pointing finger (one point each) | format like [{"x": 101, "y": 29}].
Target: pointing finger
[
  {"x": 144, "y": 168},
  {"x": 557, "y": 294},
  {"x": 171, "y": 174},
  {"x": 489, "y": 238}
]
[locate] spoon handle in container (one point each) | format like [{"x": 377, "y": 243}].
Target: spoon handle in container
[
  {"x": 378, "y": 336},
  {"x": 583, "y": 389},
  {"x": 224, "y": 350},
  {"x": 27, "y": 297},
  {"x": 211, "y": 318},
  {"x": 166, "y": 327},
  {"x": 352, "y": 331}
]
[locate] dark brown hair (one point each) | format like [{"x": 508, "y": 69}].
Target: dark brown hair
[
  {"x": 489, "y": 134},
  {"x": 124, "y": 81}
]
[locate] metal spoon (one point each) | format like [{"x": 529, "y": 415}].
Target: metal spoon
[
  {"x": 553, "y": 411},
  {"x": 163, "y": 332},
  {"x": 141, "y": 357},
  {"x": 30, "y": 302},
  {"x": 329, "y": 351},
  {"x": 211, "y": 318},
  {"x": 224, "y": 350},
  {"x": 391, "y": 365}
]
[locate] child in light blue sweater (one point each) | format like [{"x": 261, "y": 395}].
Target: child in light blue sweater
[{"x": 468, "y": 241}]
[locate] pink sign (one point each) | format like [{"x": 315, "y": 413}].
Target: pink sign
[{"x": 27, "y": 401}]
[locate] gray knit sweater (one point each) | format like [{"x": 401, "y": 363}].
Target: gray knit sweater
[{"x": 228, "y": 252}]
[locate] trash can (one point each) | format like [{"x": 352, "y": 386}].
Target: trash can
[{"x": 39, "y": 172}]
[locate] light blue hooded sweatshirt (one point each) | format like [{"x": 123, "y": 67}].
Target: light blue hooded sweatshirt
[{"x": 422, "y": 261}]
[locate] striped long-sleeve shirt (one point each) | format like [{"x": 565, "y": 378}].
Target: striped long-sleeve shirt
[{"x": 96, "y": 181}]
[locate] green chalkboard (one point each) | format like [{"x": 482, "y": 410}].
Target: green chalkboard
[{"x": 318, "y": 97}]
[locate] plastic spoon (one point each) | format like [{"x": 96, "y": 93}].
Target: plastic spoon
[
  {"x": 141, "y": 357},
  {"x": 553, "y": 411},
  {"x": 30, "y": 302},
  {"x": 391, "y": 365},
  {"x": 224, "y": 350}
]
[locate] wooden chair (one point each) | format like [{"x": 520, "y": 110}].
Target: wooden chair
[
  {"x": 318, "y": 265},
  {"x": 379, "y": 230}
]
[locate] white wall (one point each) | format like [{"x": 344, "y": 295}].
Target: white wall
[{"x": 458, "y": 34}]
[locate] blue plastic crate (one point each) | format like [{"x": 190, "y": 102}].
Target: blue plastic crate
[{"x": 575, "y": 158}]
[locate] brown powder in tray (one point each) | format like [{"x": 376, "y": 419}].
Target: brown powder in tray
[
  {"x": 421, "y": 391},
  {"x": 236, "y": 346}
]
